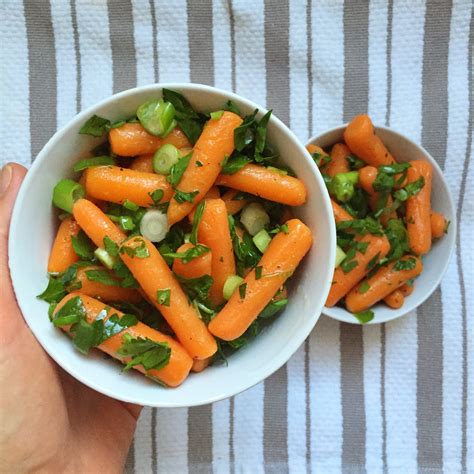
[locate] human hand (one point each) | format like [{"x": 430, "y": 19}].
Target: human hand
[{"x": 49, "y": 421}]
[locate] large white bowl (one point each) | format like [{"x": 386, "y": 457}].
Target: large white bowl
[
  {"x": 33, "y": 228},
  {"x": 435, "y": 263}
]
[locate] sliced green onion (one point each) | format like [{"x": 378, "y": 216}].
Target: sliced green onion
[
  {"x": 340, "y": 256},
  {"x": 105, "y": 258},
  {"x": 170, "y": 128},
  {"x": 130, "y": 205},
  {"x": 66, "y": 193},
  {"x": 95, "y": 161},
  {"x": 261, "y": 240},
  {"x": 230, "y": 285},
  {"x": 277, "y": 170},
  {"x": 164, "y": 159},
  {"x": 156, "y": 116},
  {"x": 254, "y": 218},
  {"x": 187, "y": 238},
  {"x": 154, "y": 225},
  {"x": 216, "y": 115}
]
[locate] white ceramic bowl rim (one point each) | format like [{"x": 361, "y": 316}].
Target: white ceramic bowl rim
[
  {"x": 255, "y": 377},
  {"x": 343, "y": 315}
]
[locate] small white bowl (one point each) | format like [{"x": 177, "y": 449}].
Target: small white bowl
[
  {"x": 436, "y": 262},
  {"x": 34, "y": 224}
]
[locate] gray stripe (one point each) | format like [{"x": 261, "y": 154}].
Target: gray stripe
[
  {"x": 200, "y": 439},
  {"x": 277, "y": 62},
  {"x": 389, "y": 61},
  {"x": 154, "y": 447},
  {"x": 382, "y": 396},
  {"x": 201, "y": 57},
  {"x": 42, "y": 73},
  {"x": 232, "y": 44},
  {"x": 275, "y": 408},
  {"x": 123, "y": 44},
  {"x": 308, "y": 405},
  {"x": 356, "y": 58},
  {"x": 77, "y": 53},
  {"x": 231, "y": 436},
  {"x": 352, "y": 396},
  {"x": 356, "y": 98},
  {"x": 130, "y": 462},
  {"x": 467, "y": 161},
  {"x": 155, "y": 39},
  {"x": 430, "y": 315},
  {"x": 309, "y": 52}
]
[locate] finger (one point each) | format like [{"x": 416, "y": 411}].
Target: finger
[{"x": 11, "y": 177}]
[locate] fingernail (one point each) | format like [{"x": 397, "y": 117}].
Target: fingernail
[{"x": 5, "y": 179}]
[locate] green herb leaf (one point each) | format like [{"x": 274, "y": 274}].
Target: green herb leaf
[
  {"x": 372, "y": 262},
  {"x": 364, "y": 287},
  {"x": 156, "y": 196},
  {"x": 348, "y": 265},
  {"x": 197, "y": 288},
  {"x": 365, "y": 316},
  {"x": 95, "y": 161},
  {"x": 111, "y": 247},
  {"x": 320, "y": 159},
  {"x": 198, "y": 163},
  {"x": 234, "y": 164},
  {"x": 244, "y": 133},
  {"x": 95, "y": 126},
  {"x": 151, "y": 355},
  {"x": 72, "y": 310},
  {"x": 354, "y": 162},
  {"x": 139, "y": 251},
  {"x": 163, "y": 297},
  {"x": 242, "y": 290},
  {"x": 258, "y": 272},
  {"x": 82, "y": 246},
  {"x": 178, "y": 169},
  {"x": 406, "y": 264},
  {"x": 54, "y": 292},
  {"x": 196, "y": 221},
  {"x": 397, "y": 235},
  {"x": 126, "y": 278},
  {"x": 231, "y": 107},
  {"x": 101, "y": 276},
  {"x": 273, "y": 307},
  {"x": 361, "y": 226},
  {"x": 181, "y": 196},
  {"x": 410, "y": 190},
  {"x": 261, "y": 135},
  {"x": 189, "y": 254},
  {"x": 115, "y": 324}
]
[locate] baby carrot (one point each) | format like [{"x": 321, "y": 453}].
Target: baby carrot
[
  {"x": 395, "y": 299},
  {"x": 266, "y": 183},
  {"x": 143, "y": 163},
  {"x": 200, "y": 365},
  {"x": 95, "y": 223},
  {"x": 214, "y": 232},
  {"x": 340, "y": 214},
  {"x": 322, "y": 157},
  {"x": 407, "y": 289},
  {"x": 418, "y": 208},
  {"x": 439, "y": 224},
  {"x": 62, "y": 254},
  {"x": 132, "y": 139},
  {"x": 283, "y": 255},
  {"x": 172, "y": 374},
  {"x": 162, "y": 289},
  {"x": 196, "y": 268},
  {"x": 381, "y": 284},
  {"x": 342, "y": 282},
  {"x": 338, "y": 163},
  {"x": 233, "y": 206},
  {"x": 115, "y": 184},
  {"x": 360, "y": 137},
  {"x": 367, "y": 176},
  {"x": 100, "y": 290},
  {"x": 215, "y": 143}
]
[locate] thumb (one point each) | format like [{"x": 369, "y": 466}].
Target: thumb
[{"x": 11, "y": 177}]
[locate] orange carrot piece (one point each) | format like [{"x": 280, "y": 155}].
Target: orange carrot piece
[
  {"x": 381, "y": 284},
  {"x": 196, "y": 268},
  {"x": 360, "y": 137},
  {"x": 395, "y": 299},
  {"x": 115, "y": 184},
  {"x": 268, "y": 184},
  {"x": 104, "y": 292},
  {"x": 367, "y": 176},
  {"x": 340, "y": 214},
  {"x": 324, "y": 158},
  {"x": 215, "y": 143},
  {"x": 95, "y": 223},
  {"x": 143, "y": 163},
  {"x": 407, "y": 289},
  {"x": 214, "y": 232},
  {"x": 177, "y": 138},
  {"x": 62, "y": 254},
  {"x": 283, "y": 255},
  {"x": 233, "y": 206},
  {"x": 342, "y": 282},
  {"x": 439, "y": 224},
  {"x": 172, "y": 374},
  {"x": 153, "y": 275},
  {"x": 131, "y": 139},
  {"x": 200, "y": 365},
  {"x": 338, "y": 163},
  {"x": 418, "y": 209}
]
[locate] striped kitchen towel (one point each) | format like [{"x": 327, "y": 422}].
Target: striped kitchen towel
[{"x": 397, "y": 397}]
